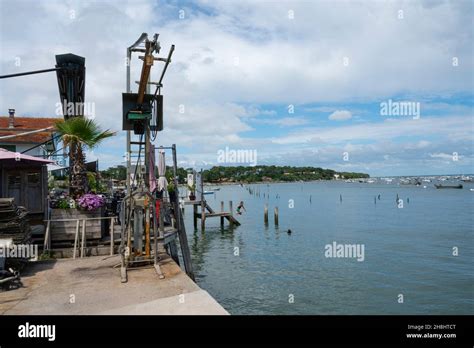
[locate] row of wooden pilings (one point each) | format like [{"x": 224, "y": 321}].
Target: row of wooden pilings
[
  {"x": 228, "y": 215},
  {"x": 265, "y": 215}
]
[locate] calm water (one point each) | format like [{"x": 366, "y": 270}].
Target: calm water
[{"x": 407, "y": 250}]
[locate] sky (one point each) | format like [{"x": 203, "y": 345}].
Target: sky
[{"x": 300, "y": 83}]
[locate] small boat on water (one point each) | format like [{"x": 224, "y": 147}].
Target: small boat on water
[
  {"x": 439, "y": 186},
  {"x": 211, "y": 191}
]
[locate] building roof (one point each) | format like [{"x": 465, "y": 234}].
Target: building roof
[
  {"x": 12, "y": 156},
  {"x": 26, "y": 124}
]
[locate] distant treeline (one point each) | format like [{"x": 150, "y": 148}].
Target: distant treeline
[
  {"x": 249, "y": 174},
  {"x": 120, "y": 173},
  {"x": 274, "y": 173}
]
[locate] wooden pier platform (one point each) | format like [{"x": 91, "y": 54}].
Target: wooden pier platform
[{"x": 208, "y": 212}]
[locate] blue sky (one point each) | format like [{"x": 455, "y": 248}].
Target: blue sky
[{"x": 240, "y": 66}]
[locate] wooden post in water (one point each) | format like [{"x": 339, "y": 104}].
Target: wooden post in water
[
  {"x": 203, "y": 214},
  {"x": 222, "y": 210},
  {"x": 265, "y": 214},
  {"x": 195, "y": 212},
  {"x": 276, "y": 216},
  {"x": 231, "y": 213},
  {"x": 203, "y": 203}
]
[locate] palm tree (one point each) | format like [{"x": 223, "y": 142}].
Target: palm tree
[{"x": 78, "y": 133}]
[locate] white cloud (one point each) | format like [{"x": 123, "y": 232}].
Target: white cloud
[
  {"x": 284, "y": 122},
  {"x": 388, "y": 129},
  {"x": 340, "y": 115},
  {"x": 231, "y": 67}
]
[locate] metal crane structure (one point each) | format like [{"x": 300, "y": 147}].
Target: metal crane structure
[{"x": 142, "y": 208}]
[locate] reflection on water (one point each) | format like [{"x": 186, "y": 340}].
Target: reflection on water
[
  {"x": 201, "y": 244},
  {"x": 258, "y": 269}
]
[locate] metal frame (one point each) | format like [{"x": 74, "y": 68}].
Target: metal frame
[{"x": 144, "y": 83}]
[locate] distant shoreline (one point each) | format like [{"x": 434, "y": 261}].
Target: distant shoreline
[
  {"x": 266, "y": 182},
  {"x": 356, "y": 180}
]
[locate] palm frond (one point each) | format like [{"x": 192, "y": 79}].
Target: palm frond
[{"x": 82, "y": 131}]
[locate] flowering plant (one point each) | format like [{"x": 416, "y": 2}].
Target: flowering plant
[
  {"x": 61, "y": 201},
  {"x": 90, "y": 201}
]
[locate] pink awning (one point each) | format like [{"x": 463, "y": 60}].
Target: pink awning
[{"x": 8, "y": 155}]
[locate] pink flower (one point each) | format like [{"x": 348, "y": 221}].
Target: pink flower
[{"x": 91, "y": 201}]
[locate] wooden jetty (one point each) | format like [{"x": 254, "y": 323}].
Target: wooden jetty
[{"x": 207, "y": 212}]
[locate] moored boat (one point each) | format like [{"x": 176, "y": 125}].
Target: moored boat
[{"x": 439, "y": 186}]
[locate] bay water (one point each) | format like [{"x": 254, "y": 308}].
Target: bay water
[{"x": 418, "y": 255}]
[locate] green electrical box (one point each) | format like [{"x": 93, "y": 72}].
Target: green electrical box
[{"x": 138, "y": 115}]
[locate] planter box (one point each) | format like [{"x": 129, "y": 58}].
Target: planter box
[{"x": 66, "y": 230}]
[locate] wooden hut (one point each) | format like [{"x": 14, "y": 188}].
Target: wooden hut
[{"x": 24, "y": 178}]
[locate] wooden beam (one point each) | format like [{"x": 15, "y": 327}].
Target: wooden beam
[
  {"x": 111, "y": 229},
  {"x": 183, "y": 239},
  {"x": 76, "y": 238},
  {"x": 46, "y": 236},
  {"x": 83, "y": 237}
]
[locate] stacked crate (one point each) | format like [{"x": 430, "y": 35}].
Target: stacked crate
[{"x": 13, "y": 222}]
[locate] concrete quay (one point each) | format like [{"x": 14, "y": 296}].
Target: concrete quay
[{"x": 92, "y": 286}]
